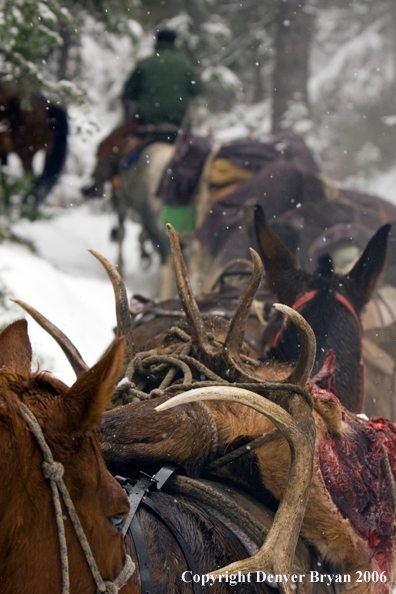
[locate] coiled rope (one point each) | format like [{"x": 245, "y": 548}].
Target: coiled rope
[{"x": 152, "y": 375}]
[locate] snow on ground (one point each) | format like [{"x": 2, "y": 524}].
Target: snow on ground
[{"x": 67, "y": 284}]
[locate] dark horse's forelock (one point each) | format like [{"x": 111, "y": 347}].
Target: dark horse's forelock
[{"x": 325, "y": 266}]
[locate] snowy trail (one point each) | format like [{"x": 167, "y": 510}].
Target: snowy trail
[{"x": 67, "y": 284}]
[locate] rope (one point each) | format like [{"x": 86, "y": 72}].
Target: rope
[
  {"x": 213, "y": 429},
  {"x": 53, "y": 471},
  {"x": 152, "y": 375},
  {"x": 243, "y": 450}
]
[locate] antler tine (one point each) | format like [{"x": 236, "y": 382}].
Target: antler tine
[
  {"x": 236, "y": 332},
  {"x": 187, "y": 298},
  {"x": 277, "y": 553},
  {"x": 303, "y": 368},
  {"x": 72, "y": 354},
  {"x": 124, "y": 322}
]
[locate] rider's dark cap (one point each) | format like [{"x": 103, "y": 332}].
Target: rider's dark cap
[{"x": 166, "y": 35}]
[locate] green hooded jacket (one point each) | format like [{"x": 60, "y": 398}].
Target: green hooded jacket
[{"x": 162, "y": 86}]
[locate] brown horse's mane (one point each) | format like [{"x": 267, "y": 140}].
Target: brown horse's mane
[{"x": 39, "y": 392}]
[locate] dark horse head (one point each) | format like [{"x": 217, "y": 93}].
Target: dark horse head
[{"x": 330, "y": 303}]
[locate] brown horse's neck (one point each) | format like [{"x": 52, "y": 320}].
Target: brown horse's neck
[{"x": 27, "y": 512}]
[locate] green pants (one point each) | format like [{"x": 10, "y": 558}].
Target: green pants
[{"x": 182, "y": 218}]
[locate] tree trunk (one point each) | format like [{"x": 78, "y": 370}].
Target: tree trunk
[
  {"x": 64, "y": 54},
  {"x": 392, "y": 37},
  {"x": 292, "y": 54}
]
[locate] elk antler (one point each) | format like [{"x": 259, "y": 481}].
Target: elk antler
[
  {"x": 236, "y": 333},
  {"x": 303, "y": 368},
  {"x": 124, "y": 322},
  {"x": 227, "y": 267},
  {"x": 277, "y": 553},
  {"x": 227, "y": 360},
  {"x": 193, "y": 315},
  {"x": 72, "y": 354}
]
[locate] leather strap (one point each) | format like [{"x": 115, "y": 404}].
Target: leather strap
[
  {"x": 191, "y": 564},
  {"x": 135, "y": 493},
  {"x": 137, "y": 490},
  {"x": 351, "y": 310},
  {"x": 143, "y": 557},
  {"x": 164, "y": 474}
]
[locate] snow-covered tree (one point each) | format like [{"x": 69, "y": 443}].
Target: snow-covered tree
[{"x": 29, "y": 32}]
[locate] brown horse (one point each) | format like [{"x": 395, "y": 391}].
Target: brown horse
[
  {"x": 25, "y": 132},
  {"x": 41, "y": 418}
]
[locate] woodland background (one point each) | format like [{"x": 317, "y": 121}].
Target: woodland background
[{"x": 325, "y": 67}]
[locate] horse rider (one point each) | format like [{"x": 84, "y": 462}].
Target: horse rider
[
  {"x": 160, "y": 88},
  {"x": 155, "y": 97}
]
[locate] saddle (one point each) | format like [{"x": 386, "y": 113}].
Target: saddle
[
  {"x": 164, "y": 132},
  {"x": 246, "y": 518}
]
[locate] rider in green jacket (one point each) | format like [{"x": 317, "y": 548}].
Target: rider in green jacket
[
  {"x": 161, "y": 86},
  {"x": 157, "y": 95}
]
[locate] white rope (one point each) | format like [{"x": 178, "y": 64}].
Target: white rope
[{"x": 53, "y": 471}]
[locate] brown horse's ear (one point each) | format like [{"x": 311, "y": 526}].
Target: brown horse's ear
[
  {"x": 91, "y": 393},
  {"x": 15, "y": 348},
  {"x": 281, "y": 272},
  {"x": 366, "y": 273}
]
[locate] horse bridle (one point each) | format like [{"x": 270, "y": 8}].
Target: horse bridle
[
  {"x": 306, "y": 298},
  {"x": 53, "y": 471}
]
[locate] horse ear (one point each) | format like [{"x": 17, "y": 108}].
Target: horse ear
[
  {"x": 91, "y": 393},
  {"x": 281, "y": 272},
  {"x": 15, "y": 348},
  {"x": 366, "y": 272}
]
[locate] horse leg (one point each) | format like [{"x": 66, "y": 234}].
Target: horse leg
[
  {"x": 156, "y": 235},
  {"x": 117, "y": 234},
  {"x": 4, "y": 192},
  {"x": 120, "y": 237},
  {"x": 166, "y": 280},
  {"x": 145, "y": 255},
  {"x": 103, "y": 172},
  {"x": 30, "y": 198}
]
